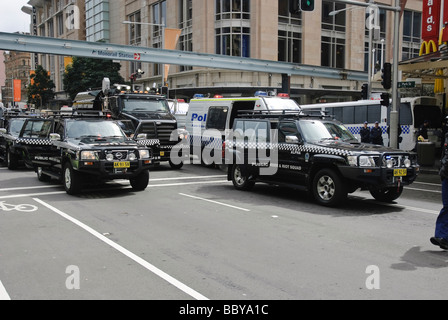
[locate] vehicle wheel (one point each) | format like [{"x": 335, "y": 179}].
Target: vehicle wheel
[
  {"x": 176, "y": 166},
  {"x": 42, "y": 176},
  {"x": 140, "y": 182},
  {"x": 12, "y": 160},
  {"x": 241, "y": 181},
  {"x": 71, "y": 179},
  {"x": 387, "y": 194},
  {"x": 328, "y": 188}
]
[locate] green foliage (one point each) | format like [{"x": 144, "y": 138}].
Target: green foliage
[
  {"x": 40, "y": 92},
  {"x": 86, "y": 73}
]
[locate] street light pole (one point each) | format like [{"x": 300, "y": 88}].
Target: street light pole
[{"x": 394, "y": 115}]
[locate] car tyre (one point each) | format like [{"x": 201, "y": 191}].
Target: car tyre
[
  {"x": 71, "y": 179},
  {"x": 176, "y": 166},
  {"x": 140, "y": 182},
  {"x": 240, "y": 179},
  {"x": 12, "y": 160},
  {"x": 387, "y": 194},
  {"x": 328, "y": 188}
]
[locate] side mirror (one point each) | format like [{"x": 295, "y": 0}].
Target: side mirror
[
  {"x": 292, "y": 140},
  {"x": 2, "y": 131},
  {"x": 55, "y": 137},
  {"x": 142, "y": 136}
]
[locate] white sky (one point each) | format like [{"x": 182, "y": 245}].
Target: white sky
[{"x": 12, "y": 19}]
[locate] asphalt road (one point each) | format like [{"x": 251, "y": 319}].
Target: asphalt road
[{"x": 191, "y": 236}]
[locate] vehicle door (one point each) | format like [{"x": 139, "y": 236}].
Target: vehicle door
[
  {"x": 34, "y": 140},
  {"x": 290, "y": 153}
]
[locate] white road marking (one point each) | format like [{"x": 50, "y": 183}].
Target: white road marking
[
  {"x": 188, "y": 178},
  {"x": 424, "y": 190},
  {"x": 33, "y": 195},
  {"x": 196, "y": 295},
  {"x": 414, "y": 209},
  {"x": 27, "y": 188},
  {"x": 215, "y": 202},
  {"x": 3, "y": 294},
  {"x": 185, "y": 183}
]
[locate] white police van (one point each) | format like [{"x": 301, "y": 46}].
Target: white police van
[{"x": 209, "y": 118}]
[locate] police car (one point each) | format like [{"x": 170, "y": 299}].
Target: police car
[
  {"x": 314, "y": 154},
  {"x": 22, "y": 133},
  {"x": 209, "y": 118},
  {"x": 92, "y": 149}
]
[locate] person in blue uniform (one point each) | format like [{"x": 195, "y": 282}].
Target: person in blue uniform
[
  {"x": 441, "y": 236},
  {"x": 365, "y": 133},
  {"x": 376, "y": 135}
]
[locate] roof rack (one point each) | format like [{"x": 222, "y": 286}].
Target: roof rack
[
  {"x": 282, "y": 114},
  {"x": 81, "y": 114}
]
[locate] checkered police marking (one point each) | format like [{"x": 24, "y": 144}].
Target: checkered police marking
[
  {"x": 291, "y": 148},
  {"x": 148, "y": 142},
  {"x": 38, "y": 142}
]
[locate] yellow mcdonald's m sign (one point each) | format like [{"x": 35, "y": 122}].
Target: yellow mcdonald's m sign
[{"x": 428, "y": 47}]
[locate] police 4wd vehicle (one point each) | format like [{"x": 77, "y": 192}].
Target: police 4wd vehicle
[
  {"x": 23, "y": 134},
  {"x": 314, "y": 154},
  {"x": 91, "y": 150},
  {"x": 139, "y": 113}
]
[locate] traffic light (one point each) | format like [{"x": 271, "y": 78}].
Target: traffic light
[
  {"x": 387, "y": 76},
  {"x": 385, "y": 99},
  {"x": 307, "y": 5},
  {"x": 295, "y": 6},
  {"x": 365, "y": 91}
]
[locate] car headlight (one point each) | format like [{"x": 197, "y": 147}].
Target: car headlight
[
  {"x": 365, "y": 161},
  {"x": 352, "y": 161},
  {"x": 89, "y": 155},
  {"x": 132, "y": 157},
  {"x": 144, "y": 154}
]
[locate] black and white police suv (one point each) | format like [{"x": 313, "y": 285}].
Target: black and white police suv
[
  {"x": 315, "y": 154},
  {"x": 91, "y": 150},
  {"x": 22, "y": 133}
]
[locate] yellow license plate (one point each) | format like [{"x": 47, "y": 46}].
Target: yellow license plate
[
  {"x": 122, "y": 165},
  {"x": 162, "y": 153},
  {"x": 400, "y": 172}
]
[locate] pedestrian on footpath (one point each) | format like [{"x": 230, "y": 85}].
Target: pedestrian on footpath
[{"x": 441, "y": 236}]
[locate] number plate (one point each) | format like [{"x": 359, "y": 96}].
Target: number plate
[
  {"x": 162, "y": 153},
  {"x": 400, "y": 172},
  {"x": 122, "y": 165}
]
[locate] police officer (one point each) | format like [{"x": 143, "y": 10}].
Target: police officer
[
  {"x": 423, "y": 130},
  {"x": 376, "y": 135},
  {"x": 441, "y": 236},
  {"x": 365, "y": 133}
]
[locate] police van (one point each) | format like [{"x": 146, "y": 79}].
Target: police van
[{"x": 209, "y": 118}]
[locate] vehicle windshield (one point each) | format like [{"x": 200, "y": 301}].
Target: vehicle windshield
[
  {"x": 15, "y": 126},
  {"x": 281, "y": 104},
  {"x": 143, "y": 105},
  {"x": 317, "y": 131},
  {"x": 94, "y": 130}
]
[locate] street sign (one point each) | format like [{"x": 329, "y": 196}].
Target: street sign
[{"x": 406, "y": 84}]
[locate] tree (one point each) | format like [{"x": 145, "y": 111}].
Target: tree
[
  {"x": 86, "y": 73},
  {"x": 40, "y": 91}
]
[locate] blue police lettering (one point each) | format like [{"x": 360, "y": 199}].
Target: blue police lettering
[
  {"x": 197, "y": 117},
  {"x": 235, "y": 309}
]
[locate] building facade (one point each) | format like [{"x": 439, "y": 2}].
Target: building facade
[
  {"x": 334, "y": 35},
  {"x": 17, "y": 66}
]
